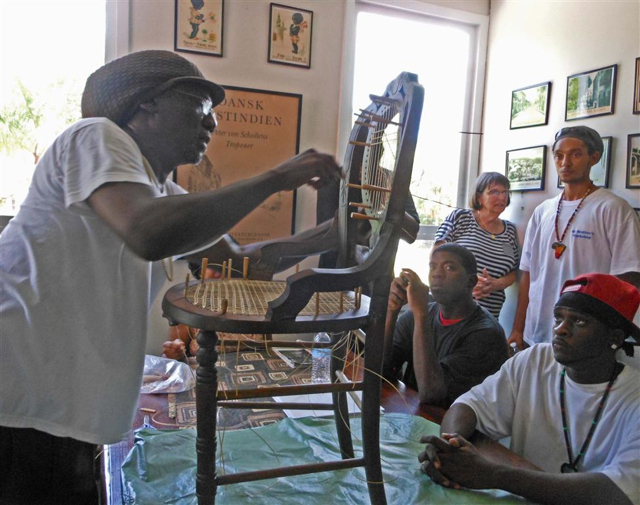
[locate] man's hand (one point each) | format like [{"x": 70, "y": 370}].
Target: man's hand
[
  {"x": 453, "y": 461},
  {"x": 397, "y": 294},
  {"x": 310, "y": 167},
  {"x": 430, "y": 459},
  {"x": 517, "y": 337},
  {"x": 174, "y": 349},
  {"x": 417, "y": 292}
]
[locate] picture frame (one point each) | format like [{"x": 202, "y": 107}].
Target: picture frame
[
  {"x": 633, "y": 161},
  {"x": 636, "y": 89},
  {"x": 290, "y": 31},
  {"x": 600, "y": 171},
  {"x": 530, "y": 106},
  {"x": 526, "y": 168},
  {"x": 199, "y": 27},
  {"x": 257, "y": 130},
  {"x": 591, "y": 93}
]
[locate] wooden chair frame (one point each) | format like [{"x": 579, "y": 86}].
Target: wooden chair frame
[{"x": 283, "y": 315}]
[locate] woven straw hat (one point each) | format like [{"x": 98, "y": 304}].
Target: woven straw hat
[{"x": 116, "y": 89}]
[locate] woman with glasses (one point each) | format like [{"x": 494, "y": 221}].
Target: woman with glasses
[{"x": 492, "y": 240}]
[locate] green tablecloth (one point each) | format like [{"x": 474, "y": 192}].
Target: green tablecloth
[{"x": 161, "y": 467}]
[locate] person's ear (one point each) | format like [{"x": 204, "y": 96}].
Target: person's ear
[
  {"x": 595, "y": 157},
  {"x": 473, "y": 280},
  {"x": 616, "y": 338},
  {"x": 149, "y": 106}
]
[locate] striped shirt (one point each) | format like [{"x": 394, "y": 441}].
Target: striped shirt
[{"x": 499, "y": 255}]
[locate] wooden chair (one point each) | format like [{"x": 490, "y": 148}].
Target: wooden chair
[{"x": 378, "y": 166}]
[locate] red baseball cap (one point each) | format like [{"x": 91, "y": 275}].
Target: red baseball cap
[{"x": 605, "y": 297}]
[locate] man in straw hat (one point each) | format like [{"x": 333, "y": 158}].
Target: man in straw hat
[
  {"x": 80, "y": 264},
  {"x": 583, "y": 229},
  {"x": 571, "y": 409}
]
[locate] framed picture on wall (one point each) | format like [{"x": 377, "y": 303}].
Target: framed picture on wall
[
  {"x": 633, "y": 161},
  {"x": 600, "y": 171},
  {"x": 290, "y": 36},
  {"x": 199, "y": 26},
  {"x": 526, "y": 168},
  {"x": 636, "y": 89},
  {"x": 530, "y": 106},
  {"x": 591, "y": 93}
]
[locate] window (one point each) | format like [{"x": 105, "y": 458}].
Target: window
[
  {"x": 443, "y": 54},
  {"x": 48, "y": 51}
]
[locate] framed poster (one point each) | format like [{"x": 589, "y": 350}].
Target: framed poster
[
  {"x": 257, "y": 130},
  {"x": 600, "y": 171},
  {"x": 199, "y": 26},
  {"x": 633, "y": 161},
  {"x": 290, "y": 36},
  {"x": 525, "y": 168},
  {"x": 530, "y": 106},
  {"x": 636, "y": 89},
  {"x": 591, "y": 93}
]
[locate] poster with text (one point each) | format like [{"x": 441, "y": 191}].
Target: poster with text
[{"x": 257, "y": 130}]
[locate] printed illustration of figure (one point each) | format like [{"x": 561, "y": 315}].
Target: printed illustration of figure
[
  {"x": 294, "y": 30},
  {"x": 196, "y": 17}
]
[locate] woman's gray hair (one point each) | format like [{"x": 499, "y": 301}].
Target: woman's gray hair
[{"x": 485, "y": 180}]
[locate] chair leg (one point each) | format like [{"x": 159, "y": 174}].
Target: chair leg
[
  {"x": 206, "y": 407},
  {"x": 340, "y": 406},
  {"x": 371, "y": 411},
  {"x": 371, "y": 439}
]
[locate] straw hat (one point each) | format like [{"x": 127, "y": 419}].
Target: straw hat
[{"x": 116, "y": 89}]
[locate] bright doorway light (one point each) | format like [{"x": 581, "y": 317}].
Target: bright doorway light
[{"x": 439, "y": 52}]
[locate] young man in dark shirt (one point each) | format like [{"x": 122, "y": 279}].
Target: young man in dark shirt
[{"x": 450, "y": 345}]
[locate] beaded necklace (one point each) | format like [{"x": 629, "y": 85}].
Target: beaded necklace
[
  {"x": 559, "y": 246},
  {"x": 572, "y": 466}
]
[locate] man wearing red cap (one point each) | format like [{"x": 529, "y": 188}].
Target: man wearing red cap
[
  {"x": 570, "y": 408},
  {"x": 83, "y": 259},
  {"x": 583, "y": 229}
]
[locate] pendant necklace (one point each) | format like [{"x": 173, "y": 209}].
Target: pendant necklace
[
  {"x": 572, "y": 465},
  {"x": 559, "y": 246},
  {"x": 485, "y": 227}
]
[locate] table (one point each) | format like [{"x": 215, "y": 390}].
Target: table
[{"x": 395, "y": 398}]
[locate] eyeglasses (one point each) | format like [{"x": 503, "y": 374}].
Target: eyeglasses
[
  {"x": 497, "y": 192},
  {"x": 207, "y": 103}
]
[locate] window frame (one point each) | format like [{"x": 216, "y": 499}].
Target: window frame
[
  {"x": 117, "y": 38},
  {"x": 478, "y": 25}
]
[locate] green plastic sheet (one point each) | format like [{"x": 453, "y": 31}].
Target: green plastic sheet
[{"x": 161, "y": 467}]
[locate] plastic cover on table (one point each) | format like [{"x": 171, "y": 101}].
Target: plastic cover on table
[
  {"x": 161, "y": 467},
  {"x": 163, "y": 375}
]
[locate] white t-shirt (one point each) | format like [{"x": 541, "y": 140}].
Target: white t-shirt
[
  {"x": 522, "y": 401},
  {"x": 74, "y": 298},
  {"x": 603, "y": 237}
]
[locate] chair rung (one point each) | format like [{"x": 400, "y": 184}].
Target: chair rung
[
  {"x": 278, "y": 405},
  {"x": 241, "y": 394},
  {"x": 288, "y": 471}
]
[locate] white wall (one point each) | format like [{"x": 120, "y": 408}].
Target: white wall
[{"x": 537, "y": 41}]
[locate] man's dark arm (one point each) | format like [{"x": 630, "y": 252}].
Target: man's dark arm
[
  {"x": 430, "y": 377},
  {"x": 453, "y": 461},
  {"x": 156, "y": 228}
]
